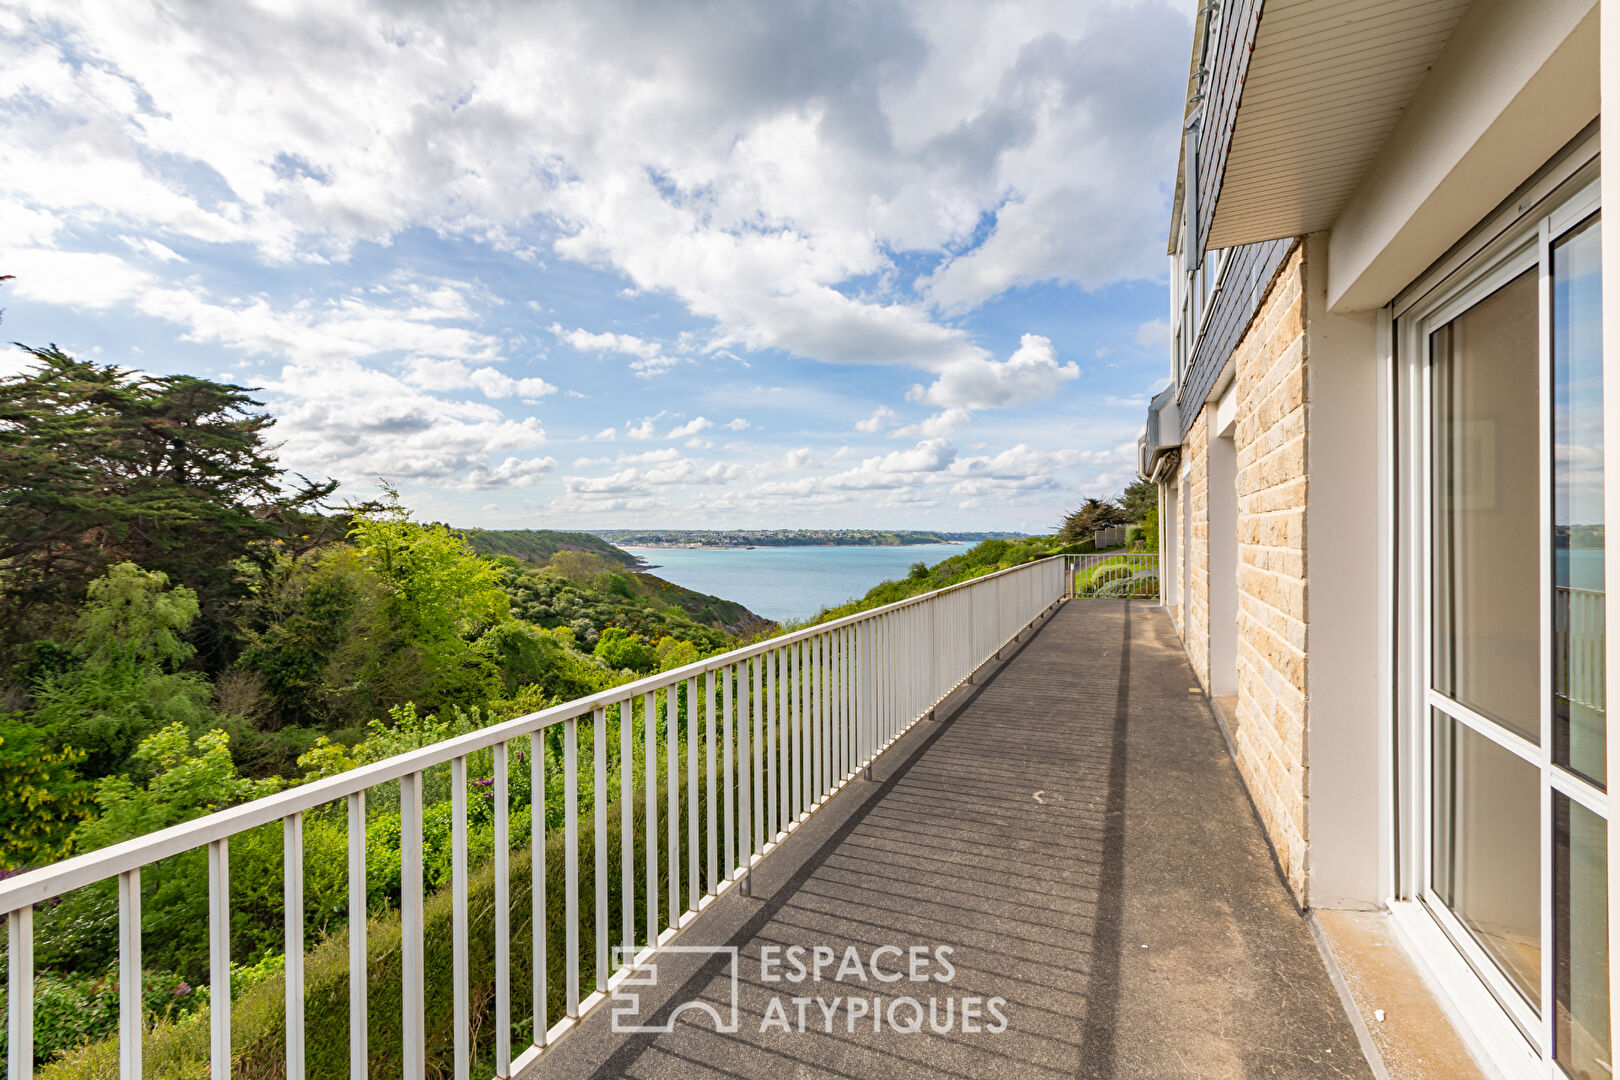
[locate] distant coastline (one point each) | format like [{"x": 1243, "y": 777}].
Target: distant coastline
[{"x": 721, "y": 539}]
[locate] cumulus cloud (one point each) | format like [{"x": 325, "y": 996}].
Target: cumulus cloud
[
  {"x": 1154, "y": 334},
  {"x": 691, "y": 427},
  {"x": 650, "y": 358},
  {"x": 881, "y": 417},
  {"x": 511, "y": 473},
  {"x": 1032, "y": 372},
  {"x": 758, "y": 166},
  {"x": 941, "y": 425},
  {"x": 767, "y": 186},
  {"x": 439, "y": 373},
  {"x": 643, "y": 429}
]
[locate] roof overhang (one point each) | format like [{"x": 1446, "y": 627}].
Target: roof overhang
[{"x": 1326, "y": 83}]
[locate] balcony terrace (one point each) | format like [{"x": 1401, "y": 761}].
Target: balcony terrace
[
  {"x": 1072, "y": 826},
  {"x": 1026, "y": 789}
]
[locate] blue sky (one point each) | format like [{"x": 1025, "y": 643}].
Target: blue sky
[{"x": 615, "y": 265}]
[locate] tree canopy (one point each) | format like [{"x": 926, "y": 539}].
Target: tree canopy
[{"x": 100, "y": 465}]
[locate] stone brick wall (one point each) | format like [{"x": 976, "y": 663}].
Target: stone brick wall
[
  {"x": 1270, "y": 437},
  {"x": 1195, "y": 489}
]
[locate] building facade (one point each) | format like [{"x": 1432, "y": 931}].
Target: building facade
[{"x": 1382, "y": 476}]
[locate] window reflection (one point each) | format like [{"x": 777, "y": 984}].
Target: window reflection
[
  {"x": 1581, "y": 937},
  {"x": 1487, "y": 465},
  {"x": 1577, "y": 421},
  {"x": 1487, "y": 852}
]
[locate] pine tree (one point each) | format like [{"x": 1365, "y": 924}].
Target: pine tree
[{"x": 99, "y": 465}]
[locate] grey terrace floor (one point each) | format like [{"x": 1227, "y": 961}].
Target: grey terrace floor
[{"x": 1072, "y": 828}]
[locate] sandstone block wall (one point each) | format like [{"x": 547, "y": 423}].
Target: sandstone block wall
[{"x": 1270, "y": 440}]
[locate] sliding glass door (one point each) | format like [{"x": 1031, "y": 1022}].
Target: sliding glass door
[{"x": 1512, "y": 730}]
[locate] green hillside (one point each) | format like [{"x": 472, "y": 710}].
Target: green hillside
[{"x": 537, "y": 546}]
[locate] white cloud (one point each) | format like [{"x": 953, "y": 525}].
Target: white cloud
[
  {"x": 881, "y": 417},
  {"x": 1029, "y": 374},
  {"x": 643, "y": 429},
  {"x": 437, "y": 373},
  {"x": 585, "y": 341},
  {"x": 941, "y": 425},
  {"x": 760, "y": 165},
  {"x": 1154, "y": 334},
  {"x": 511, "y": 473},
  {"x": 76, "y": 279},
  {"x": 650, "y": 356},
  {"x": 752, "y": 191},
  {"x": 691, "y": 427},
  {"x": 152, "y": 249}
]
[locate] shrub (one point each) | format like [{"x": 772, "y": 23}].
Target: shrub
[
  {"x": 618, "y": 648},
  {"x": 177, "y": 1046}
]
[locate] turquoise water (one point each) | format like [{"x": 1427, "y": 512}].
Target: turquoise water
[
  {"x": 1579, "y": 569},
  {"x": 790, "y": 582}
]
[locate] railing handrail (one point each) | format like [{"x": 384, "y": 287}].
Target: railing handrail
[{"x": 37, "y": 885}]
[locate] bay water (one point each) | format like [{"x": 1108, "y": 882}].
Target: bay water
[{"x": 784, "y": 583}]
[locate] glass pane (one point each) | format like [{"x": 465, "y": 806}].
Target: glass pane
[
  {"x": 1581, "y": 941},
  {"x": 1577, "y": 418},
  {"x": 1487, "y": 437},
  {"x": 1487, "y": 855}
]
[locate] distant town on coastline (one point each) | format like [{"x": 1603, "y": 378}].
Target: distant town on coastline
[{"x": 743, "y": 538}]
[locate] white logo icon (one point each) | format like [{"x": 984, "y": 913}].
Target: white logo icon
[{"x": 627, "y": 1002}]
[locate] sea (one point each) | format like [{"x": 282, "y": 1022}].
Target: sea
[{"x": 790, "y": 583}]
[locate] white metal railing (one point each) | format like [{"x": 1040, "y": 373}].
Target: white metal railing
[
  {"x": 1578, "y": 624},
  {"x": 1115, "y": 574},
  {"x": 798, "y": 717}
]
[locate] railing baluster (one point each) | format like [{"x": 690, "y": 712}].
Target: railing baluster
[
  {"x": 503, "y": 914},
  {"x": 599, "y": 843},
  {"x": 571, "y": 861},
  {"x": 292, "y": 849},
  {"x": 835, "y": 690},
  {"x": 413, "y": 986},
  {"x": 130, "y": 1026},
  {"x": 745, "y": 820},
  {"x": 20, "y": 993},
  {"x": 823, "y": 746},
  {"x": 727, "y": 773},
  {"x": 773, "y": 772},
  {"x": 796, "y": 707},
  {"x": 627, "y": 835},
  {"x": 539, "y": 1008},
  {"x": 843, "y": 687},
  {"x": 649, "y": 731},
  {"x": 757, "y": 733},
  {"x": 219, "y": 962},
  {"x": 693, "y": 888},
  {"x": 672, "y": 814},
  {"x": 712, "y": 811},
  {"x": 359, "y": 957},
  {"x": 460, "y": 1015}
]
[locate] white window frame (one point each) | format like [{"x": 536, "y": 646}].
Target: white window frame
[{"x": 1503, "y": 1025}]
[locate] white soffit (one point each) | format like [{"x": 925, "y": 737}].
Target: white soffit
[{"x": 1326, "y": 83}]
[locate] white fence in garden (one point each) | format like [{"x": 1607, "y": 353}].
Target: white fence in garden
[{"x": 1117, "y": 575}]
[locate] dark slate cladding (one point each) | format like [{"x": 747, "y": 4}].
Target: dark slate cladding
[
  {"x": 1248, "y": 272},
  {"x": 1227, "y": 68}
]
